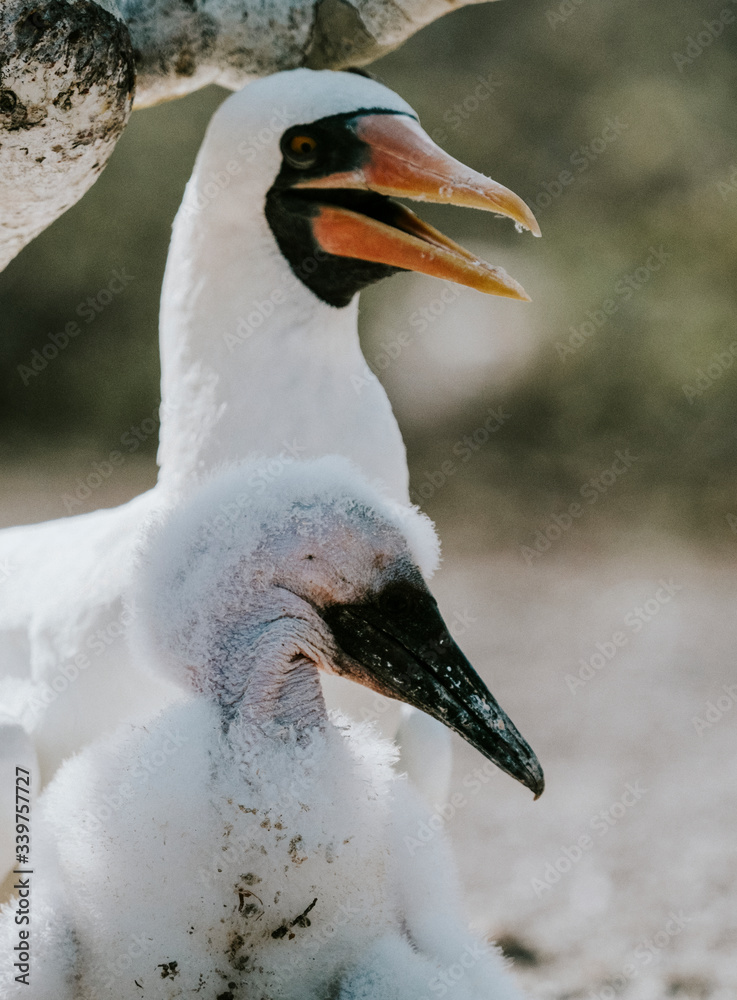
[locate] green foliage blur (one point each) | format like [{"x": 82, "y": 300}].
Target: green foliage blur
[{"x": 616, "y": 123}]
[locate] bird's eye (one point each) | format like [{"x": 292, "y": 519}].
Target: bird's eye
[{"x": 301, "y": 150}]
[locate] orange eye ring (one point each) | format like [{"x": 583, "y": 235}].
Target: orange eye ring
[
  {"x": 300, "y": 150},
  {"x": 302, "y": 145}
]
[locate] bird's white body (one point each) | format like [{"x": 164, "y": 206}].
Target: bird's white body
[
  {"x": 252, "y": 362},
  {"x": 241, "y": 843},
  {"x": 187, "y": 860}
]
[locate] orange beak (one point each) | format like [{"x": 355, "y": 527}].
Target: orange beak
[{"x": 405, "y": 162}]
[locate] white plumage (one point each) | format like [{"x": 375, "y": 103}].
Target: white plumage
[
  {"x": 253, "y": 361},
  {"x": 240, "y": 844},
  {"x": 296, "y": 385}
]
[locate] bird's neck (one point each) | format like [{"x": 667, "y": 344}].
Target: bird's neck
[
  {"x": 292, "y": 699},
  {"x": 263, "y": 676},
  {"x": 253, "y": 362}
]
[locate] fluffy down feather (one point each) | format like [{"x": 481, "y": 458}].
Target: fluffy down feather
[
  {"x": 257, "y": 864},
  {"x": 202, "y": 556}
]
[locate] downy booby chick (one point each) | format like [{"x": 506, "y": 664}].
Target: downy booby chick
[
  {"x": 287, "y": 216},
  {"x": 241, "y": 844}
]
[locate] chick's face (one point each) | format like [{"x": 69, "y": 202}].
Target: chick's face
[{"x": 345, "y": 561}]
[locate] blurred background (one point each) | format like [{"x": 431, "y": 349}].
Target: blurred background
[
  {"x": 525, "y": 93},
  {"x": 616, "y": 389}
]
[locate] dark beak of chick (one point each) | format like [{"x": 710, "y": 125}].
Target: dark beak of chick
[{"x": 397, "y": 643}]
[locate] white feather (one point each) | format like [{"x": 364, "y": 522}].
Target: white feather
[{"x": 252, "y": 362}]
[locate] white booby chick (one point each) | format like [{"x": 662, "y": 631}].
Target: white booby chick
[
  {"x": 241, "y": 844},
  {"x": 287, "y": 216}
]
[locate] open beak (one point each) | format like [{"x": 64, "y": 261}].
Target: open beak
[
  {"x": 403, "y": 161},
  {"x": 397, "y": 644}
]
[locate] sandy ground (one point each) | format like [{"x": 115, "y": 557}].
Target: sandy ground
[{"x": 620, "y": 880}]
